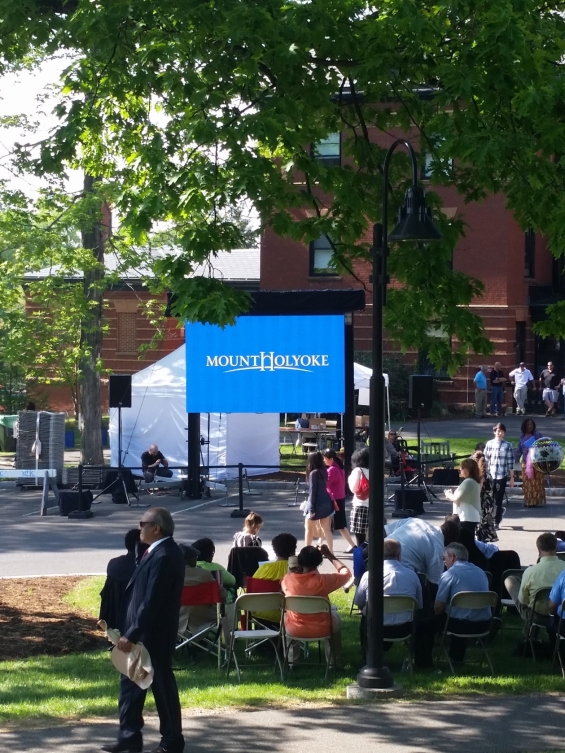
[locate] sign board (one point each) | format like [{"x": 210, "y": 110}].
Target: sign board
[{"x": 266, "y": 364}]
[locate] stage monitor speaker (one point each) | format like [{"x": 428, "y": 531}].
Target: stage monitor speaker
[
  {"x": 120, "y": 391},
  {"x": 421, "y": 392},
  {"x": 68, "y": 501},
  {"x": 414, "y": 501}
]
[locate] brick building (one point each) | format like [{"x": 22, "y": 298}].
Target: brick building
[
  {"x": 129, "y": 327},
  {"x": 520, "y": 276}
]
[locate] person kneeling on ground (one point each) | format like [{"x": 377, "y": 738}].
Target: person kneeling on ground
[
  {"x": 460, "y": 575},
  {"x": 151, "y": 460},
  {"x": 398, "y": 580},
  {"x": 523, "y": 589},
  {"x": 309, "y": 582}
]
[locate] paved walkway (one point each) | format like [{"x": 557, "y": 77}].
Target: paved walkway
[
  {"x": 54, "y": 545},
  {"x": 477, "y": 725},
  {"x": 452, "y": 428}
]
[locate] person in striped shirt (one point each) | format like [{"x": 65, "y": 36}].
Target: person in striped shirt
[{"x": 499, "y": 458}]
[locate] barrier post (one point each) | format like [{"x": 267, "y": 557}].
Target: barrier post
[{"x": 240, "y": 512}]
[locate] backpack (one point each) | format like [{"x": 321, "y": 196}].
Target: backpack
[{"x": 362, "y": 491}]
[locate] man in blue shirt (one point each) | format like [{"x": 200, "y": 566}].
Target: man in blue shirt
[
  {"x": 398, "y": 580},
  {"x": 556, "y": 597},
  {"x": 460, "y": 575},
  {"x": 480, "y": 381}
]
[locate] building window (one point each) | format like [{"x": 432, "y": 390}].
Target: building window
[
  {"x": 431, "y": 162},
  {"x": 321, "y": 255},
  {"x": 127, "y": 332},
  {"x": 328, "y": 150},
  {"x": 530, "y": 253}
]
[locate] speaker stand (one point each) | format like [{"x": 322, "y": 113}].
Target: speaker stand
[
  {"x": 120, "y": 477},
  {"x": 420, "y": 477}
]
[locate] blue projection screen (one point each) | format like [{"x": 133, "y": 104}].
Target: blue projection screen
[{"x": 266, "y": 364}]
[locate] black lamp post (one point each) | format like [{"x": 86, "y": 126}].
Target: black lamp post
[{"x": 414, "y": 224}]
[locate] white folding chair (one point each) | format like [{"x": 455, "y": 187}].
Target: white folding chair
[
  {"x": 253, "y": 634},
  {"x": 473, "y": 600},
  {"x": 397, "y": 605},
  {"x": 312, "y": 605}
]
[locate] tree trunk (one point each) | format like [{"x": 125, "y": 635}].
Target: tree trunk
[{"x": 91, "y": 343}]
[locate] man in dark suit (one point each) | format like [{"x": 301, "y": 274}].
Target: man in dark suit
[{"x": 150, "y": 615}]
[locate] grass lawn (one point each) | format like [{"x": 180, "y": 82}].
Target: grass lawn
[{"x": 86, "y": 684}]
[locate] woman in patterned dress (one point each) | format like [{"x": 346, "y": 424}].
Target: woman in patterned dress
[
  {"x": 533, "y": 481},
  {"x": 486, "y": 530}
]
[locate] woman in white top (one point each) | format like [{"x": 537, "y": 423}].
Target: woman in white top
[
  {"x": 467, "y": 497},
  {"x": 359, "y": 522}
]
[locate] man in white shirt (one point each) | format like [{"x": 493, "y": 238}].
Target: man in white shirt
[
  {"x": 423, "y": 544},
  {"x": 521, "y": 377},
  {"x": 398, "y": 580}
]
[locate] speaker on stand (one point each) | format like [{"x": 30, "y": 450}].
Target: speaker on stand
[{"x": 121, "y": 482}]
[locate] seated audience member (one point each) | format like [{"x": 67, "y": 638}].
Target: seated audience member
[
  {"x": 460, "y": 575},
  {"x": 560, "y": 540},
  {"x": 118, "y": 574},
  {"x": 423, "y": 544},
  {"x": 555, "y": 601},
  {"x": 310, "y": 582},
  {"x": 151, "y": 460},
  {"x": 207, "y": 551},
  {"x": 398, "y": 580},
  {"x": 284, "y": 546},
  {"x": 549, "y": 567},
  {"x": 392, "y": 450},
  {"x": 251, "y": 527},
  {"x": 195, "y": 618}
]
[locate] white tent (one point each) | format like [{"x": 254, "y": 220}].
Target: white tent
[
  {"x": 158, "y": 416},
  {"x": 361, "y": 378}
]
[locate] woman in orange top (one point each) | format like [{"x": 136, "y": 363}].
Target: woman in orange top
[{"x": 307, "y": 581}]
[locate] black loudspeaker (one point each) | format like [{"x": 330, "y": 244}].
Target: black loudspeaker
[
  {"x": 445, "y": 477},
  {"x": 414, "y": 504},
  {"x": 68, "y": 501},
  {"x": 421, "y": 392},
  {"x": 119, "y": 394}
]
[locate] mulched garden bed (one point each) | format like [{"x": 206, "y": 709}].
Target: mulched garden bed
[{"x": 35, "y": 620}]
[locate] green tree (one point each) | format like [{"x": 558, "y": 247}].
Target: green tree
[
  {"x": 187, "y": 109},
  {"x": 50, "y": 285}
]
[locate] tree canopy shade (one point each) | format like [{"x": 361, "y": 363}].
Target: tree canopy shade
[{"x": 183, "y": 109}]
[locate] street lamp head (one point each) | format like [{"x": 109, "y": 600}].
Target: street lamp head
[{"x": 414, "y": 219}]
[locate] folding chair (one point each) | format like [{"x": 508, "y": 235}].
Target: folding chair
[
  {"x": 537, "y": 619},
  {"x": 246, "y": 604},
  {"x": 395, "y": 605},
  {"x": 312, "y": 605},
  {"x": 208, "y": 638},
  {"x": 262, "y": 586},
  {"x": 470, "y": 600},
  {"x": 507, "y": 601},
  {"x": 558, "y": 638}
]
